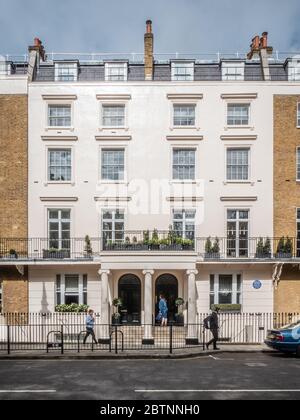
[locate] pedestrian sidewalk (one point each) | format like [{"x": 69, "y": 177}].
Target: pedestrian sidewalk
[{"x": 142, "y": 354}]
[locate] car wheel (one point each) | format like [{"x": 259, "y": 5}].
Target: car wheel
[{"x": 298, "y": 351}]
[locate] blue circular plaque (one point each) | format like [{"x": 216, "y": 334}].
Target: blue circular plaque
[{"x": 257, "y": 284}]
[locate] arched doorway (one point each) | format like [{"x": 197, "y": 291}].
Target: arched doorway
[
  {"x": 130, "y": 292},
  {"x": 167, "y": 284}
]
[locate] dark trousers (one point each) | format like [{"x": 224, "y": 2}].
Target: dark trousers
[
  {"x": 90, "y": 331},
  {"x": 215, "y": 333}
]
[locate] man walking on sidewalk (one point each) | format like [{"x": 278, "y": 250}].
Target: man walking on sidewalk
[
  {"x": 212, "y": 323},
  {"x": 90, "y": 325}
]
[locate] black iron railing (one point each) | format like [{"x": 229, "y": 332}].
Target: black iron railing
[
  {"x": 87, "y": 249},
  {"x": 61, "y": 333},
  {"x": 258, "y": 248}
]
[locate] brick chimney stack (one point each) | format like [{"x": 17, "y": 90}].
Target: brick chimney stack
[
  {"x": 149, "y": 48},
  {"x": 39, "y": 48},
  {"x": 260, "y": 48}
]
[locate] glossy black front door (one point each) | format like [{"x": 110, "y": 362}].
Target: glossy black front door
[
  {"x": 167, "y": 285},
  {"x": 130, "y": 294}
]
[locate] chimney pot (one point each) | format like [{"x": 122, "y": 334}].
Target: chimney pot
[
  {"x": 264, "y": 40},
  {"x": 149, "y": 26},
  {"x": 37, "y": 42}
]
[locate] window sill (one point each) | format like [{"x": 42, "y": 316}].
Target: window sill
[
  {"x": 106, "y": 182},
  {"x": 186, "y": 181},
  {"x": 59, "y": 129},
  {"x": 59, "y": 183},
  {"x": 113, "y": 128},
  {"x": 239, "y": 182},
  {"x": 185, "y": 127},
  {"x": 236, "y": 127}
]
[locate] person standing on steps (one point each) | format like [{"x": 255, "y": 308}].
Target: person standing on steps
[
  {"x": 90, "y": 325},
  {"x": 212, "y": 323},
  {"x": 163, "y": 311}
]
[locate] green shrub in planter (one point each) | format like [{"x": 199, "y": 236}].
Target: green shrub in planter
[
  {"x": 227, "y": 307},
  {"x": 73, "y": 308}
]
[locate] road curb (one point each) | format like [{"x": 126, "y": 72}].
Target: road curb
[{"x": 134, "y": 356}]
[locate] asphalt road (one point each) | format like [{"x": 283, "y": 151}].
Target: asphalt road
[{"x": 228, "y": 376}]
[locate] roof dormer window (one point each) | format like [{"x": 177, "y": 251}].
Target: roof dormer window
[
  {"x": 182, "y": 71},
  {"x": 233, "y": 70},
  {"x": 294, "y": 69},
  {"x": 66, "y": 71},
  {"x": 116, "y": 72}
]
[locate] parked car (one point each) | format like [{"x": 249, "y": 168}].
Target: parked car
[{"x": 286, "y": 339}]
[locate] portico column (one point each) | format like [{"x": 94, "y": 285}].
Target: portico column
[
  {"x": 192, "y": 337},
  {"x": 104, "y": 333},
  {"x": 148, "y": 336}
]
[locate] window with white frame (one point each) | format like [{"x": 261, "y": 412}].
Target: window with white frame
[
  {"x": 71, "y": 289},
  {"x": 294, "y": 69},
  {"x": 112, "y": 164},
  {"x": 184, "y": 115},
  {"x": 59, "y": 165},
  {"x": 182, "y": 71},
  {"x": 238, "y": 164},
  {"x": 59, "y": 115},
  {"x": 225, "y": 289},
  {"x": 184, "y": 164},
  {"x": 113, "y": 224},
  {"x": 298, "y": 114},
  {"x": 5, "y": 68},
  {"x": 66, "y": 72},
  {"x": 238, "y": 114},
  {"x": 113, "y": 115},
  {"x": 1, "y": 296},
  {"x": 233, "y": 70},
  {"x": 59, "y": 229},
  {"x": 116, "y": 72},
  {"x": 184, "y": 223},
  {"x": 238, "y": 233}
]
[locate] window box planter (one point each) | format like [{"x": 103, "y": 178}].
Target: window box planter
[
  {"x": 284, "y": 255},
  {"x": 212, "y": 256},
  {"x": 263, "y": 255},
  {"x": 234, "y": 308},
  {"x": 60, "y": 254}
]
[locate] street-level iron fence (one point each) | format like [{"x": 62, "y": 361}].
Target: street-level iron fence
[{"x": 60, "y": 332}]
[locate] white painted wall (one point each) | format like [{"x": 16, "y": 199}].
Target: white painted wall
[
  {"x": 13, "y": 85},
  {"x": 253, "y": 301},
  {"x": 42, "y": 282},
  {"x": 149, "y": 154}
]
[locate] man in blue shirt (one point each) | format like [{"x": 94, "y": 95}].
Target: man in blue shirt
[{"x": 90, "y": 325}]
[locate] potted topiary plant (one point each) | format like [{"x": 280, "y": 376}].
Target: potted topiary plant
[
  {"x": 285, "y": 248},
  {"x": 116, "y": 318},
  {"x": 289, "y": 248},
  {"x": 179, "y": 316},
  {"x": 127, "y": 243},
  {"x": 212, "y": 251},
  {"x": 88, "y": 251},
  {"x": 13, "y": 254},
  {"x": 260, "y": 249},
  {"x": 280, "y": 248},
  {"x": 216, "y": 249},
  {"x": 268, "y": 248},
  {"x": 155, "y": 242}
]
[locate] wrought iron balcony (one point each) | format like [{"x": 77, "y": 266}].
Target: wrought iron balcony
[
  {"x": 208, "y": 249},
  {"x": 262, "y": 248}
]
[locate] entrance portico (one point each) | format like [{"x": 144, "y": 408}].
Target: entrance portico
[{"x": 162, "y": 274}]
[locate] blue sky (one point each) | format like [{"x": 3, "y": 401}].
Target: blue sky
[{"x": 195, "y": 26}]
